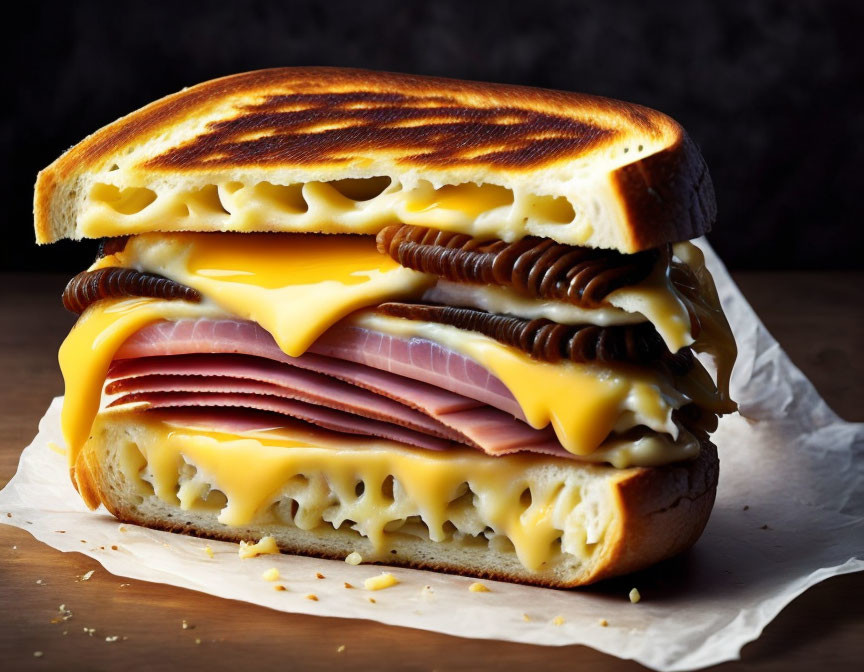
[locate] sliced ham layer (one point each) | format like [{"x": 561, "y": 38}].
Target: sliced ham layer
[
  {"x": 365, "y": 375},
  {"x": 320, "y": 416}
]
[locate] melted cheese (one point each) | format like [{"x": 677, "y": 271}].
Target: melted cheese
[
  {"x": 295, "y": 286},
  {"x": 87, "y": 351},
  {"x": 583, "y": 402},
  {"x": 291, "y": 475}
]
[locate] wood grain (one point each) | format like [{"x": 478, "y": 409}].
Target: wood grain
[{"x": 817, "y": 317}]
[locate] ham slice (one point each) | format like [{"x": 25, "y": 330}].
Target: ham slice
[
  {"x": 412, "y": 384},
  {"x": 320, "y": 416}
]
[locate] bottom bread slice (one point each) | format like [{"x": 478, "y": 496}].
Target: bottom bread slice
[{"x": 523, "y": 518}]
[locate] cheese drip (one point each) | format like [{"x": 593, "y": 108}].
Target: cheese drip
[
  {"x": 311, "y": 478},
  {"x": 583, "y": 402},
  {"x": 293, "y": 285}
]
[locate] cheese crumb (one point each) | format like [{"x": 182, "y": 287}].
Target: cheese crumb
[
  {"x": 311, "y": 596},
  {"x": 558, "y": 620},
  {"x": 341, "y": 648},
  {"x": 526, "y": 618},
  {"x": 319, "y": 575},
  {"x": 384, "y": 580},
  {"x": 208, "y": 551},
  {"x": 353, "y": 558},
  {"x": 266, "y": 546},
  {"x": 478, "y": 587},
  {"x": 635, "y": 596},
  {"x": 603, "y": 623},
  {"x": 271, "y": 574},
  {"x": 348, "y": 585},
  {"x": 279, "y": 586}
]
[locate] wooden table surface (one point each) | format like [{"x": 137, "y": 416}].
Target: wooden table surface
[{"x": 817, "y": 317}]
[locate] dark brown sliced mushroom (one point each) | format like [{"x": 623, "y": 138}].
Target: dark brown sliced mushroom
[
  {"x": 550, "y": 341},
  {"x": 536, "y": 267},
  {"x": 91, "y": 286}
]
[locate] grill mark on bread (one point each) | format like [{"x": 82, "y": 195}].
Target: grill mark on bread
[
  {"x": 91, "y": 286},
  {"x": 549, "y": 341},
  {"x": 316, "y": 128},
  {"x": 535, "y": 267}
]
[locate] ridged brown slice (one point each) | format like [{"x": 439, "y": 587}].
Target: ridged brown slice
[
  {"x": 535, "y": 267},
  {"x": 550, "y": 341}
]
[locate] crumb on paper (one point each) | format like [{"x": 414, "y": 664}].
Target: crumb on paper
[
  {"x": 347, "y": 585},
  {"x": 353, "y": 558},
  {"x": 372, "y": 600},
  {"x": 319, "y": 575},
  {"x": 380, "y": 582},
  {"x": 478, "y": 587},
  {"x": 122, "y": 528},
  {"x": 186, "y": 625},
  {"x": 208, "y": 551},
  {"x": 266, "y": 546},
  {"x": 526, "y": 618},
  {"x": 604, "y": 623},
  {"x": 340, "y": 648},
  {"x": 558, "y": 621},
  {"x": 60, "y": 531},
  {"x": 112, "y": 638},
  {"x": 8, "y": 515},
  {"x": 426, "y": 592},
  {"x": 311, "y": 596},
  {"x": 38, "y": 654},
  {"x": 63, "y": 615},
  {"x": 113, "y": 547},
  {"x": 87, "y": 575},
  {"x": 279, "y": 586},
  {"x": 271, "y": 574},
  {"x": 634, "y": 595}
]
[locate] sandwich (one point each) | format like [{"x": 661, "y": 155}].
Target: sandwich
[{"x": 441, "y": 324}]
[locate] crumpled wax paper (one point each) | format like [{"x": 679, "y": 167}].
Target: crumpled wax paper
[{"x": 789, "y": 514}]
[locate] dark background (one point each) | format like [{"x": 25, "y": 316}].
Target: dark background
[{"x": 770, "y": 90}]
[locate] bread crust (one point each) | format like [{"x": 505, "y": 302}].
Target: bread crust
[
  {"x": 659, "y": 512},
  {"x": 340, "y": 121}
]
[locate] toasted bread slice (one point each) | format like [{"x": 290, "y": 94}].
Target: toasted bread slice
[
  {"x": 341, "y": 150},
  {"x": 612, "y": 521}
]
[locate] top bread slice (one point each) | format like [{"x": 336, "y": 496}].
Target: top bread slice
[{"x": 333, "y": 150}]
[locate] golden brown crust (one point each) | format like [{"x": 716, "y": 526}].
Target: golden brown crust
[
  {"x": 659, "y": 512},
  {"x": 332, "y": 117}
]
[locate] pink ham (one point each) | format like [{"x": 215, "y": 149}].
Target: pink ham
[
  {"x": 381, "y": 378},
  {"x": 415, "y": 358},
  {"x": 320, "y": 416},
  {"x": 238, "y": 373}
]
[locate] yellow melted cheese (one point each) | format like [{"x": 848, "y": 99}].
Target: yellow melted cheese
[
  {"x": 293, "y": 285},
  {"x": 583, "y": 402},
  {"x": 542, "y": 507}
]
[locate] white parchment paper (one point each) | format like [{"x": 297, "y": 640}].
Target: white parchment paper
[{"x": 794, "y": 465}]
